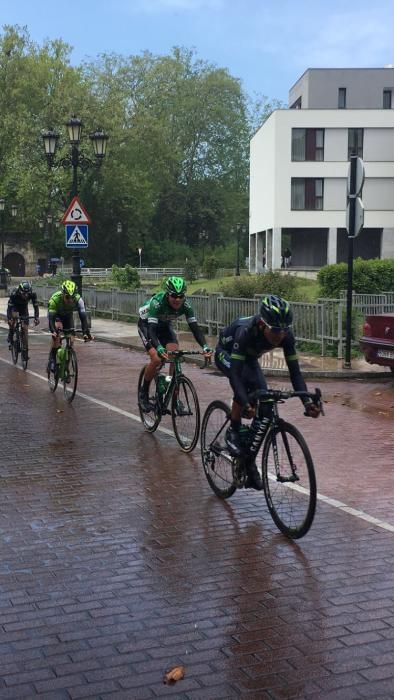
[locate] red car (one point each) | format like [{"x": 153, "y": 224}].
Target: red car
[{"x": 377, "y": 342}]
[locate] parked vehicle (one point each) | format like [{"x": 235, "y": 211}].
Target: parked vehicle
[{"x": 377, "y": 343}]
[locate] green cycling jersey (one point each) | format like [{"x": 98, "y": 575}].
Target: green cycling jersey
[{"x": 158, "y": 310}]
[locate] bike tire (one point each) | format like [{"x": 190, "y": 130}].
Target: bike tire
[
  {"x": 71, "y": 374},
  {"x": 152, "y": 419},
  {"x": 218, "y": 464},
  {"x": 24, "y": 352},
  {"x": 292, "y": 505},
  {"x": 53, "y": 377},
  {"x": 185, "y": 417},
  {"x": 15, "y": 347}
]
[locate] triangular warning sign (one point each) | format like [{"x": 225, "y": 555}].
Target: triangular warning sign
[
  {"x": 77, "y": 237},
  {"x": 76, "y": 213}
]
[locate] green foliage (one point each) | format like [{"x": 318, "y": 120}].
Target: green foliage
[
  {"x": 191, "y": 270},
  {"x": 369, "y": 277},
  {"x": 126, "y": 277},
  {"x": 210, "y": 266},
  {"x": 247, "y": 286}
]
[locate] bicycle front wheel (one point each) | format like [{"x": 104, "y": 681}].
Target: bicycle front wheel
[
  {"x": 289, "y": 480},
  {"x": 24, "y": 352},
  {"x": 218, "y": 464},
  {"x": 15, "y": 347},
  {"x": 185, "y": 412},
  {"x": 53, "y": 376},
  {"x": 151, "y": 419},
  {"x": 70, "y": 379}
]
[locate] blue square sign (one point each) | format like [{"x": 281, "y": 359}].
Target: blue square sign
[{"x": 77, "y": 235}]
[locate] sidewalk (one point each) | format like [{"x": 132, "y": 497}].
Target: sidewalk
[{"x": 273, "y": 363}]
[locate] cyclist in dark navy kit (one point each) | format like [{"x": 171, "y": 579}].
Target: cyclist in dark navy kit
[
  {"x": 18, "y": 305},
  {"x": 237, "y": 355}
]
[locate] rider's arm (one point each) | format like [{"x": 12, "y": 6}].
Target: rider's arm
[
  {"x": 198, "y": 334},
  {"x": 82, "y": 315},
  {"x": 51, "y": 321},
  {"x": 35, "y": 305},
  {"x": 296, "y": 377}
]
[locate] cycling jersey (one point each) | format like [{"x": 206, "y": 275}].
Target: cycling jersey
[
  {"x": 241, "y": 344},
  {"x": 20, "y": 304},
  {"x": 57, "y": 308},
  {"x": 156, "y": 317}
]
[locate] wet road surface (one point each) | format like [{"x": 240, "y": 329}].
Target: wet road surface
[{"x": 118, "y": 562}]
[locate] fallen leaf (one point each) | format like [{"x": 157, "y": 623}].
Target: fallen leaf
[
  {"x": 59, "y": 410},
  {"x": 174, "y": 675},
  {"x": 378, "y": 393}
]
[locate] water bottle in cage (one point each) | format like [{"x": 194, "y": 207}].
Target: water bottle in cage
[{"x": 162, "y": 383}]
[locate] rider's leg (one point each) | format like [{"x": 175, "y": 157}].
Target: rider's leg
[{"x": 11, "y": 326}]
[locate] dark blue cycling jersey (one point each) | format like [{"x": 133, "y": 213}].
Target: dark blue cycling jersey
[{"x": 240, "y": 345}]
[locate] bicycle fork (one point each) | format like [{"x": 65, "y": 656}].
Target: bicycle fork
[{"x": 279, "y": 477}]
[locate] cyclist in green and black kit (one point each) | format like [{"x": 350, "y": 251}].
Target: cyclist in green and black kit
[
  {"x": 61, "y": 306},
  {"x": 156, "y": 330}
]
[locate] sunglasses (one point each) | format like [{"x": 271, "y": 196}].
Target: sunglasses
[
  {"x": 278, "y": 329},
  {"x": 177, "y": 296}
]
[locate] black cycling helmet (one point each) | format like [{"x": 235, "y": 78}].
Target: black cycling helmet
[
  {"x": 25, "y": 287},
  {"x": 276, "y": 311},
  {"x": 175, "y": 285}
]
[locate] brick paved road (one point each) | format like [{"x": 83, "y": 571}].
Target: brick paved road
[{"x": 117, "y": 562}]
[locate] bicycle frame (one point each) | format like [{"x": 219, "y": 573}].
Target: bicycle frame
[{"x": 176, "y": 359}]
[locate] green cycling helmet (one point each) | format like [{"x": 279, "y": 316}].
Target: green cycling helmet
[
  {"x": 175, "y": 285},
  {"x": 69, "y": 287}
]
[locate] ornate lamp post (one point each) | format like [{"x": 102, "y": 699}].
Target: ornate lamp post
[
  {"x": 240, "y": 228},
  {"x": 119, "y": 229},
  {"x": 203, "y": 237},
  {"x": 14, "y": 211},
  {"x": 75, "y": 160}
]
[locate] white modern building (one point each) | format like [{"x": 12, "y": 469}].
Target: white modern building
[{"x": 299, "y": 163}]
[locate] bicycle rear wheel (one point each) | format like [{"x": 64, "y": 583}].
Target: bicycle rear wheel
[
  {"x": 53, "y": 376},
  {"x": 70, "y": 379},
  {"x": 152, "y": 419},
  {"x": 218, "y": 464},
  {"x": 291, "y": 493},
  {"x": 15, "y": 346},
  {"x": 185, "y": 412}
]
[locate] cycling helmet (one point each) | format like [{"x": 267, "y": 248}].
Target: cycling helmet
[
  {"x": 69, "y": 287},
  {"x": 175, "y": 285},
  {"x": 25, "y": 287},
  {"x": 276, "y": 311}
]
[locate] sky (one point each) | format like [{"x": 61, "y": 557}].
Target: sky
[{"x": 267, "y": 44}]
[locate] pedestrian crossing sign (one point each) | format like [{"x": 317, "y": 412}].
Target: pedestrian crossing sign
[{"x": 77, "y": 235}]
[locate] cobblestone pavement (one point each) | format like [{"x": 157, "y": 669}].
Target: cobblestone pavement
[{"x": 117, "y": 562}]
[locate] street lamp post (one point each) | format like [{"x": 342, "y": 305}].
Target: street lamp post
[
  {"x": 241, "y": 228},
  {"x": 203, "y": 237},
  {"x": 140, "y": 254},
  {"x": 14, "y": 211},
  {"x": 75, "y": 160},
  {"x": 119, "y": 229}
]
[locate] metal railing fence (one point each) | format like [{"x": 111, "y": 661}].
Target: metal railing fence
[{"x": 321, "y": 323}]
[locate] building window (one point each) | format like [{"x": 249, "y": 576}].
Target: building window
[
  {"x": 307, "y": 144},
  {"x": 386, "y": 99},
  {"x": 355, "y": 142},
  {"x": 297, "y": 104},
  {"x": 306, "y": 193},
  {"x": 341, "y": 98}
]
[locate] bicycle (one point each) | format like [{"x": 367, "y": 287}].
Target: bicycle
[
  {"x": 19, "y": 344},
  {"x": 65, "y": 367},
  {"x": 288, "y": 472},
  {"x": 178, "y": 392}
]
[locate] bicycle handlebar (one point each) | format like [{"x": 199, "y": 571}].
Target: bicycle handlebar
[
  {"x": 279, "y": 395},
  {"x": 181, "y": 353}
]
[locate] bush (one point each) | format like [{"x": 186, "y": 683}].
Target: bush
[
  {"x": 369, "y": 277},
  {"x": 191, "y": 270},
  {"x": 246, "y": 286},
  {"x": 210, "y": 267},
  {"x": 126, "y": 277}
]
